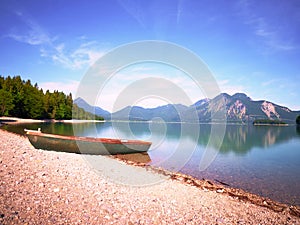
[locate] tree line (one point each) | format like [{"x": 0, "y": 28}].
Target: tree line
[
  {"x": 268, "y": 121},
  {"x": 20, "y": 98}
]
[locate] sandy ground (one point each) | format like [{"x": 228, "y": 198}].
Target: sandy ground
[{"x": 45, "y": 187}]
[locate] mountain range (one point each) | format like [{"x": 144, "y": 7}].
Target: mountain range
[{"x": 236, "y": 108}]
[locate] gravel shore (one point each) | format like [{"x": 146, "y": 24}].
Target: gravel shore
[{"x": 45, "y": 187}]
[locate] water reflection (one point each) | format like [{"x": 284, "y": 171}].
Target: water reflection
[
  {"x": 239, "y": 139},
  {"x": 244, "y": 138},
  {"x": 298, "y": 129}
]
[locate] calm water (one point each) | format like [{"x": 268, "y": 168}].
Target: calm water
[{"x": 263, "y": 160}]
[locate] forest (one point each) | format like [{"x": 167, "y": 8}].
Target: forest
[{"x": 20, "y": 98}]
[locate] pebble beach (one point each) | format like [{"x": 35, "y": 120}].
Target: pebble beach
[{"x": 46, "y": 187}]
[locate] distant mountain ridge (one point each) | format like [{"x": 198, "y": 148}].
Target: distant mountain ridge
[
  {"x": 238, "y": 108},
  {"x": 167, "y": 112},
  {"x": 92, "y": 109}
]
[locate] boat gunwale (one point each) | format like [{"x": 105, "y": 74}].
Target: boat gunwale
[{"x": 88, "y": 139}]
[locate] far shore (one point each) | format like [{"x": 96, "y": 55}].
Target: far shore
[
  {"x": 272, "y": 125},
  {"x": 15, "y": 120}
]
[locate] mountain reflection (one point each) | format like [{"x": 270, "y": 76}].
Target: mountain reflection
[
  {"x": 239, "y": 139},
  {"x": 298, "y": 129}
]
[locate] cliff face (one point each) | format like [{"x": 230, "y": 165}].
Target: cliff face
[
  {"x": 269, "y": 109},
  {"x": 237, "y": 109}
]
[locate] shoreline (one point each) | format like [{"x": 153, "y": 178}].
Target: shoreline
[
  {"x": 16, "y": 120},
  {"x": 217, "y": 186},
  {"x": 267, "y": 124},
  {"x": 68, "y": 174}
]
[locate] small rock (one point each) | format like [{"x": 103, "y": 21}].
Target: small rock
[
  {"x": 220, "y": 190},
  {"x": 41, "y": 174}
]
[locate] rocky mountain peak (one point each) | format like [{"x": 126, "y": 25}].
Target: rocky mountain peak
[
  {"x": 269, "y": 109},
  {"x": 237, "y": 109}
]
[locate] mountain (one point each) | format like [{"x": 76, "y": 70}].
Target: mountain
[
  {"x": 201, "y": 102},
  {"x": 236, "y": 108},
  {"x": 92, "y": 109},
  {"x": 167, "y": 113},
  {"x": 240, "y": 107}
]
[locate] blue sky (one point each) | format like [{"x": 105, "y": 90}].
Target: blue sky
[{"x": 250, "y": 46}]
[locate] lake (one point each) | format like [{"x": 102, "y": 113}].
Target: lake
[{"x": 264, "y": 160}]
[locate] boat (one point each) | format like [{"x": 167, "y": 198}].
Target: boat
[{"x": 85, "y": 145}]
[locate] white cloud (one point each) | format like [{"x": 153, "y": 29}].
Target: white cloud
[
  {"x": 86, "y": 54},
  {"x": 74, "y": 58},
  {"x": 77, "y": 58},
  {"x": 151, "y": 86},
  {"x": 32, "y": 38},
  {"x": 273, "y": 37},
  {"x": 270, "y": 37},
  {"x": 69, "y": 86},
  {"x": 34, "y": 34}
]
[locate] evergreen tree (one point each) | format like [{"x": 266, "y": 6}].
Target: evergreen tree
[
  {"x": 20, "y": 98},
  {"x": 6, "y": 102}
]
